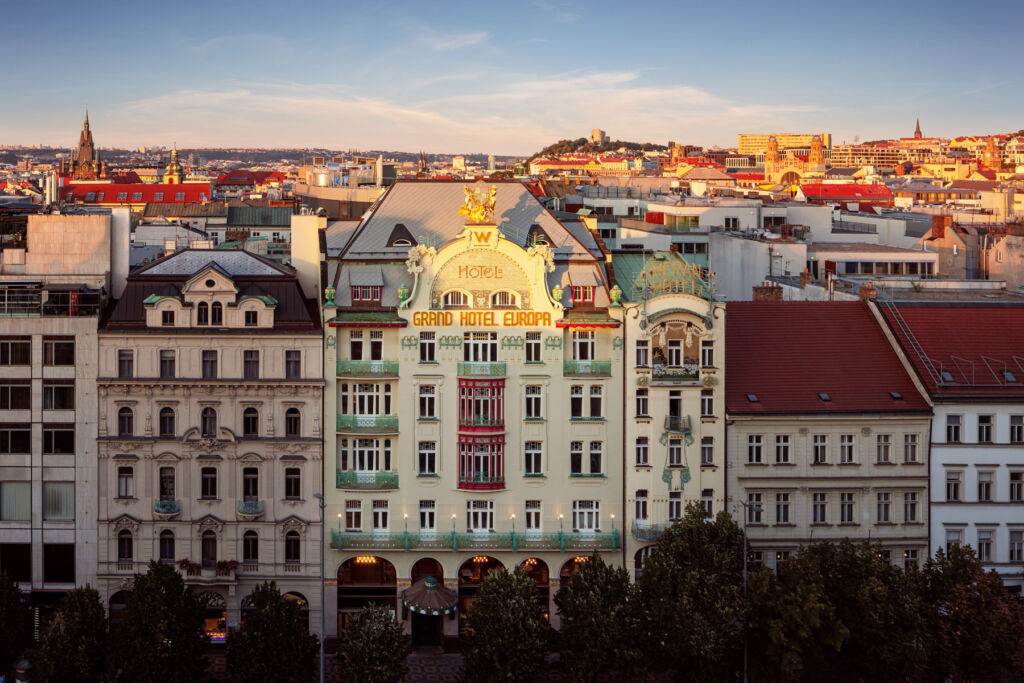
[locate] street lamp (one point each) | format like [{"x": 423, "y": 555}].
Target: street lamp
[
  {"x": 747, "y": 508},
  {"x": 320, "y": 500}
]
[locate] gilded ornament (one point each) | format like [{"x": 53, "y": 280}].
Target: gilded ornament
[{"x": 479, "y": 203}]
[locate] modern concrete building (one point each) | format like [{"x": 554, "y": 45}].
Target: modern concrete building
[
  {"x": 209, "y": 430},
  {"x": 474, "y": 383},
  {"x": 53, "y": 287}
]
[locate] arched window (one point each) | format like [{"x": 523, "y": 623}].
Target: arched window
[
  {"x": 250, "y": 422},
  {"x": 292, "y": 422},
  {"x": 203, "y": 314},
  {"x": 208, "y": 422},
  {"x": 250, "y": 547},
  {"x": 167, "y": 422},
  {"x": 504, "y": 299},
  {"x": 456, "y": 299},
  {"x": 209, "y": 549},
  {"x": 125, "y": 422},
  {"x": 217, "y": 314},
  {"x": 291, "y": 546},
  {"x": 167, "y": 546},
  {"x": 125, "y": 546}
]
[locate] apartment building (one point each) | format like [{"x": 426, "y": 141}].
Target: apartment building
[
  {"x": 209, "y": 431},
  {"x": 828, "y": 433}
]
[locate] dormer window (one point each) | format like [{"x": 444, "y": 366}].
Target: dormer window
[
  {"x": 371, "y": 293},
  {"x": 582, "y": 294},
  {"x": 456, "y": 299},
  {"x": 401, "y": 243},
  {"x": 504, "y": 299},
  {"x": 251, "y": 318},
  {"x": 217, "y": 313},
  {"x": 203, "y": 313}
]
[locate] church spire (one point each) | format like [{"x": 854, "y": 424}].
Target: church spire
[
  {"x": 87, "y": 117},
  {"x": 917, "y": 131}
]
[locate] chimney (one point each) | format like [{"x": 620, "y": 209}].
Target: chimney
[
  {"x": 868, "y": 292},
  {"x": 673, "y": 248},
  {"x": 805, "y": 278},
  {"x": 767, "y": 291},
  {"x": 939, "y": 225},
  {"x": 786, "y": 230}
]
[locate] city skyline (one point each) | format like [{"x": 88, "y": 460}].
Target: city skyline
[{"x": 502, "y": 80}]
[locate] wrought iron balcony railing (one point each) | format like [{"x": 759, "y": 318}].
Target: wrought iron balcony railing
[
  {"x": 250, "y": 508},
  {"x": 648, "y": 532},
  {"x": 559, "y": 541},
  {"x": 166, "y": 507},
  {"x": 372, "y": 368},
  {"x": 587, "y": 368},
  {"x": 482, "y": 369},
  {"x": 367, "y": 423},
  {"x": 347, "y": 479},
  {"x": 677, "y": 423}
]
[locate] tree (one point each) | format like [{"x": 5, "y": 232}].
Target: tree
[
  {"x": 373, "y": 647},
  {"x": 161, "y": 636},
  {"x": 74, "y": 646},
  {"x": 15, "y": 622},
  {"x": 691, "y": 609},
  {"x": 595, "y": 621},
  {"x": 510, "y": 637},
  {"x": 274, "y": 643},
  {"x": 977, "y": 628}
]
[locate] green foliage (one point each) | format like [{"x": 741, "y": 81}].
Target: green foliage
[
  {"x": 161, "y": 636},
  {"x": 585, "y": 146},
  {"x": 510, "y": 637},
  {"x": 74, "y": 646},
  {"x": 15, "y": 622},
  {"x": 274, "y": 643},
  {"x": 373, "y": 647},
  {"x": 595, "y": 620},
  {"x": 691, "y": 607}
]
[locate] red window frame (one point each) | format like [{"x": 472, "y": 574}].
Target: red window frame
[{"x": 493, "y": 476}]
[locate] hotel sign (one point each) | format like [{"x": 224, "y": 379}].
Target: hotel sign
[{"x": 481, "y": 318}]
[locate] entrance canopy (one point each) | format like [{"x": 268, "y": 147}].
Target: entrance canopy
[{"x": 429, "y": 596}]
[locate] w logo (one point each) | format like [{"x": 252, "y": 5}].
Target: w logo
[{"x": 481, "y": 236}]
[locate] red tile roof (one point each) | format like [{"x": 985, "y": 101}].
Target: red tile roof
[
  {"x": 846, "y": 191},
  {"x": 243, "y": 177},
  {"x": 787, "y": 353},
  {"x": 974, "y": 343},
  {"x": 136, "y": 193}
]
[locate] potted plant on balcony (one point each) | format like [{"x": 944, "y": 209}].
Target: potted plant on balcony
[
  {"x": 190, "y": 568},
  {"x": 226, "y": 567}
]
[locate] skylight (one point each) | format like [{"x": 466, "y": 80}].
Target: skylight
[
  {"x": 947, "y": 376},
  {"x": 824, "y": 397},
  {"x": 752, "y": 398},
  {"x": 896, "y": 396},
  {"x": 1009, "y": 376}
]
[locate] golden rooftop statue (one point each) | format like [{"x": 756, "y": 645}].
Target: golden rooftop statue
[{"x": 479, "y": 206}]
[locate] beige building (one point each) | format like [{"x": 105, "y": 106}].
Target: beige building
[
  {"x": 474, "y": 375},
  {"x": 758, "y": 144},
  {"x": 209, "y": 431},
  {"x": 52, "y": 290},
  {"x": 826, "y": 440}
]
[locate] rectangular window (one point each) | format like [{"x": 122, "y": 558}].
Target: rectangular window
[
  {"x": 782, "y": 449},
  {"x": 251, "y": 318},
  {"x": 167, "y": 364},
  {"x": 640, "y": 505},
  {"x": 1017, "y": 486},
  {"x": 576, "y": 401},
  {"x": 643, "y": 353},
  {"x": 675, "y": 505},
  {"x": 707, "y": 402},
  {"x": 909, "y": 558},
  {"x": 208, "y": 483},
  {"x": 583, "y": 344},
  {"x": 754, "y": 455},
  {"x": 57, "y": 396},
  {"x": 846, "y": 449},
  {"x": 953, "y": 429},
  {"x": 533, "y": 348},
  {"x": 479, "y": 516},
  {"x": 707, "y": 353},
  {"x": 642, "y": 403},
  {"x": 292, "y": 483},
  {"x": 755, "y": 509},
  {"x": 846, "y": 508},
  {"x": 1017, "y": 429},
  {"x": 910, "y": 448},
  {"x": 376, "y": 345},
  {"x": 428, "y": 402},
  {"x": 782, "y": 508},
  {"x": 576, "y": 457},
  {"x": 984, "y": 429},
  {"x": 166, "y": 483},
  {"x": 353, "y": 515},
  {"x": 707, "y": 497},
  {"x": 532, "y": 516},
  {"x": 953, "y": 485},
  {"x": 675, "y": 353},
  {"x": 532, "y": 453},
  {"x": 58, "y": 351},
  {"x": 675, "y": 452},
  {"x": 707, "y": 451},
  {"x": 427, "y": 460},
  {"x": 19, "y": 397},
  {"x": 125, "y": 482},
  {"x": 596, "y": 453},
  {"x": 883, "y": 448},
  {"x": 59, "y": 501},
  {"x": 820, "y": 508},
  {"x": 355, "y": 345},
  {"x": 985, "y": 545},
  {"x": 586, "y": 515},
  {"x": 209, "y": 364},
  {"x": 15, "y": 351},
  {"x": 884, "y": 504},
  {"x": 250, "y": 483},
  {"x": 480, "y": 347},
  {"x": 1016, "y": 545},
  {"x": 428, "y": 517},
  {"x": 596, "y": 409},
  {"x": 250, "y": 364},
  {"x": 641, "y": 451},
  {"x": 380, "y": 515},
  {"x": 125, "y": 363},
  {"x": 985, "y": 486},
  {"x": 820, "y": 449},
  {"x": 293, "y": 364},
  {"x": 15, "y": 438},
  {"x": 427, "y": 347},
  {"x": 167, "y": 318},
  {"x": 533, "y": 402},
  {"x": 15, "y": 501},
  {"x": 59, "y": 439},
  {"x": 582, "y": 294},
  {"x": 910, "y": 507}
]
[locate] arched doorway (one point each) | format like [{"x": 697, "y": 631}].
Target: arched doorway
[
  {"x": 639, "y": 559},
  {"x": 216, "y": 621},
  {"x": 364, "y": 580},
  {"x": 570, "y": 568},
  {"x": 118, "y": 603},
  {"x": 538, "y": 571},
  {"x": 472, "y": 574},
  {"x": 790, "y": 178},
  {"x": 303, "y": 604},
  {"x": 425, "y": 596}
]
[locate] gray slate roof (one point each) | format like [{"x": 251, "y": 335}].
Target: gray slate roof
[{"x": 232, "y": 261}]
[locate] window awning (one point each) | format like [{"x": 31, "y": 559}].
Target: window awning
[
  {"x": 429, "y": 596},
  {"x": 365, "y": 276},
  {"x": 583, "y": 276}
]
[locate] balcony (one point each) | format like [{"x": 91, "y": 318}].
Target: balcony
[
  {"x": 648, "y": 532},
  {"x": 482, "y": 369},
  {"x": 677, "y": 423},
  {"x": 39, "y": 303},
  {"x": 367, "y": 423},
  {"x": 496, "y": 421},
  {"x": 481, "y": 481},
  {"x": 166, "y": 509},
  {"x": 368, "y": 368},
  {"x": 559, "y": 541},
  {"x": 250, "y": 509},
  {"x": 366, "y": 480},
  {"x": 587, "y": 368},
  {"x": 687, "y": 373}
]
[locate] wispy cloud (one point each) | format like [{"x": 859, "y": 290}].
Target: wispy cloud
[{"x": 441, "y": 41}]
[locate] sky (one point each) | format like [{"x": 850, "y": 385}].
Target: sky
[{"x": 504, "y": 77}]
